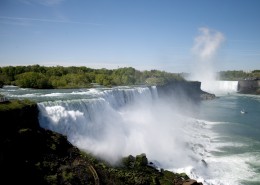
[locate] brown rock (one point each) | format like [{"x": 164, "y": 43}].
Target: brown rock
[{"x": 191, "y": 182}]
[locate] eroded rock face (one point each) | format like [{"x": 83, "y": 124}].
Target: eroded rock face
[
  {"x": 207, "y": 96},
  {"x": 188, "y": 90},
  {"x": 191, "y": 182},
  {"x": 249, "y": 86}
]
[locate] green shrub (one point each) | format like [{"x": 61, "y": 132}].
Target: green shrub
[{"x": 15, "y": 104}]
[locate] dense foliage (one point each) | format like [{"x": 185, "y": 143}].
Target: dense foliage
[
  {"x": 239, "y": 75},
  {"x": 14, "y": 104},
  {"x": 36, "y": 76}
]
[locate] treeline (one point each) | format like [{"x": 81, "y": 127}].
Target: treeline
[
  {"x": 239, "y": 75},
  {"x": 42, "y": 77}
]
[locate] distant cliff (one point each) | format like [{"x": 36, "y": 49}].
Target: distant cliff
[
  {"x": 250, "y": 86},
  {"x": 190, "y": 90}
]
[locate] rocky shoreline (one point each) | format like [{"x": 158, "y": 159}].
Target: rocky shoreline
[{"x": 32, "y": 155}]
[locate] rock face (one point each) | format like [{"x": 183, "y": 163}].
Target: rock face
[
  {"x": 188, "y": 90},
  {"x": 191, "y": 182},
  {"x": 249, "y": 86},
  {"x": 30, "y": 154}
]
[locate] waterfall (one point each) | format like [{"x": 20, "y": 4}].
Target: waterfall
[
  {"x": 220, "y": 87},
  {"x": 89, "y": 122},
  {"x": 154, "y": 92},
  {"x": 65, "y": 115},
  {"x": 117, "y": 122}
]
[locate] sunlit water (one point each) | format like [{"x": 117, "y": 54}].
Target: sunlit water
[{"x": 212, "y": 142}]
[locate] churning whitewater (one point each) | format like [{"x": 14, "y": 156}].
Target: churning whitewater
[{"x": 116, "y": 122}]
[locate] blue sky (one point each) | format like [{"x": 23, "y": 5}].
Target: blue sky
[{"x": 144, "y": 34}]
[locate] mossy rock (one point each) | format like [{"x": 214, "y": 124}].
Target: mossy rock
[
  {"x": 141, "y": 160},
  {"x": 129, "y": 161}
]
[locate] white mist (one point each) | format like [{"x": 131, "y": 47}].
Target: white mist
[
  {"x": 205, "y": 48},
  {"x": 109, "y": 130}
]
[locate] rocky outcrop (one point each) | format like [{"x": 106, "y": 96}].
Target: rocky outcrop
[
  {"x": 191, "y": 182},
  {"x": 251, "y": 86},
  {"x": 189, "y": 90},
  {"x": 30, "y": 154}
]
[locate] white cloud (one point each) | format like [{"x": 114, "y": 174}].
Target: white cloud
[
  {"x": 27, "y": 20},
  {"x": 43, "y": 2},
  {"x": 206, "y": 45}
]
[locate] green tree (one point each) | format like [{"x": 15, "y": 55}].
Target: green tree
[
  {"x": 32, "y": 80},
  {"x": 36, "y": 76}
]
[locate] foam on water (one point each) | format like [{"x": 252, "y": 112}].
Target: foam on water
[
  {"x": 55, "y": 94},
  {"x": 224, "y": 169}
]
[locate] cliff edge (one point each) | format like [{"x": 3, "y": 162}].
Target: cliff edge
[{"x": 188, "y": 90}]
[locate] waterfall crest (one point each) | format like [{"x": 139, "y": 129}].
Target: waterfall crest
[{"x": 55, "y": 115}]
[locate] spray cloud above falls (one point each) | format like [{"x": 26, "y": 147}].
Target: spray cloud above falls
[{"x": 206, "y": 46}]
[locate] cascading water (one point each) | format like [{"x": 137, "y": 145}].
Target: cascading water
[
  {"x": 89, "y": 123},
  {"x": 220, "y": 87},
  {"x": 119, "y": 122}
]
